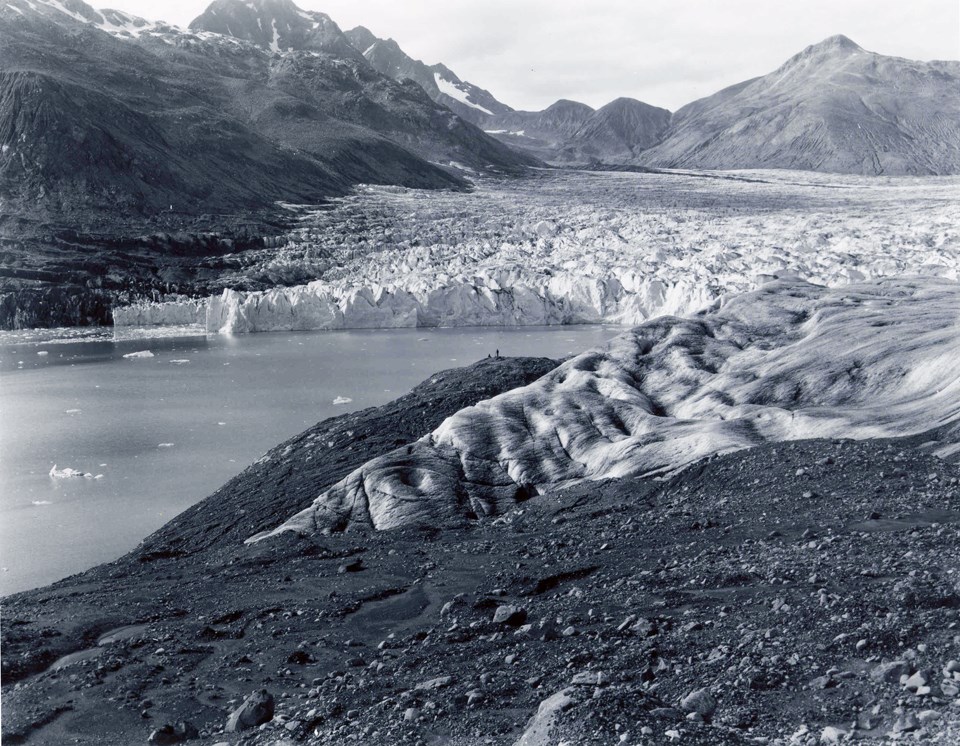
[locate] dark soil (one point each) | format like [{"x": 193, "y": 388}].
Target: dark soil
[{"x": 779, "y": 581}]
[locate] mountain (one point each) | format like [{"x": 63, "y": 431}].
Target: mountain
[
  {"x": 277, "y": 25},
  {"x": 443, "y": 85},
  {"x": 104, "y": 110},
  {"x": 540, "y": 132},
  {"x": 616, "y": 132},
  {"x": 131, "y": 152},
  {"x": 833, "y": 107},
  {"x": 571, "y": 133}
]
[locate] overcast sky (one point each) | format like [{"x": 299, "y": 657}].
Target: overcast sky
[{"x": 529, "y": 53}]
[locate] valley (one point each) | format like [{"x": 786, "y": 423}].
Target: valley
[{"x": 683, "y": 466}]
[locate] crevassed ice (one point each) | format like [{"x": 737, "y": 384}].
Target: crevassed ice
[
  {"x": 580, "y": 248},
  {"x": 789, "y": 361}
]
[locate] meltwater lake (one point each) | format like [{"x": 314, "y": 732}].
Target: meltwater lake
[{"x": 164, "y": 431}]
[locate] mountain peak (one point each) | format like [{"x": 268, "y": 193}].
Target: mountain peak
[
  {"x": 278, "y": 25},
  {"x": 832, "y": 46},
  {"x": 839, "y": 42}
]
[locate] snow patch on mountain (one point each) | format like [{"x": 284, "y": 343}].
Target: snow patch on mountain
[
  {"x": 789, "y": 361},
  {"x": 450, "y": 89}
]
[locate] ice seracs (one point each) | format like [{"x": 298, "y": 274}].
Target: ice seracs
[
  {"x": 789, "y": 361},
  {"x": 568, "y": 248}
]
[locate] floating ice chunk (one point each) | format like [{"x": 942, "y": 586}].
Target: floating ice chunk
[
  {"x": 179, "y": 362},
  {"x": 165, "y": 445},
  {"x": 42, "y": 353},
  {"x": 41, "y": 502},
  {"x": 342, "y": 400},
  {"x": 73, "y": 411},
  {"x": 135, "y": 355},
  {"x": 66, "y": 473},
  {"x": 99, "y": 476}
]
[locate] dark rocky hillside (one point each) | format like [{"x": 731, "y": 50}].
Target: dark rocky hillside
[
  {"x": 442, "y": 84},
  {"x": 616, "y": 133},
  {"x": 797, "y": 590},
  {"x": 113, "y": 128}
]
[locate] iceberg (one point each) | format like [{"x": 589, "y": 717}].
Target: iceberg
[{"x": 67, "y": 473}]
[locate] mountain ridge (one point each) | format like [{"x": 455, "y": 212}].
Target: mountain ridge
[{"x": 832, "y": 107}]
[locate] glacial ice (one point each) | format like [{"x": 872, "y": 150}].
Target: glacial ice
[
  {"x": 138, "y": 355},
  {"x": 566, "y": 248},
  {"x": 67, "y": 473},
  {"x": 791, "y": 360}
]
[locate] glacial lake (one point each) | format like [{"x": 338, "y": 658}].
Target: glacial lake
[{"x": 166, "y": 431}]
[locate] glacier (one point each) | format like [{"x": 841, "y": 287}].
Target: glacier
[
  {"x": 792, "y": 360},
  {"x": 572, "y": 248}
]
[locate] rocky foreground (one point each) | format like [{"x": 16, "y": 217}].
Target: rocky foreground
[{"x": 800, "y": 592}]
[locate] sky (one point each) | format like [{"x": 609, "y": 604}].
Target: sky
[{"x": 529, "y": 53}]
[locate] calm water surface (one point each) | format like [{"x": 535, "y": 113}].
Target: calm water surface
[{"x": 166, "y": 431}]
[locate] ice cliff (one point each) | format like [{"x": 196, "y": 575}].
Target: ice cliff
[
  {"x": 789, "y": 361},
  {"x": 578, "y": 248}
]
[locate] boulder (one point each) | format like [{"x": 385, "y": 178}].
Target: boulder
[
  {"x": 171, "y": 734},
  {"x": 512, "y": 616},
  {"x": 890, "y": 672},
  {"x": 256, "y": 709},
  {"x": 700, "y": 702}
]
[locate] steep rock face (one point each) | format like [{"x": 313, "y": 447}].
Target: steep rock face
[
  {"x": 833, "y": 107},
  {"x": 100, "y": 110},
  {"x": 471, "y": 102},
  {"x": 168, "y": 119},
  {"x": 773, "y": 365},
  {"x": 616, "y": 132},
  {"x": 277, "y": 25}
]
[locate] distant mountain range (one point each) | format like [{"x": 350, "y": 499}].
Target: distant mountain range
[
  {"x": 260, "y": 101},
  {"x": 833, "y": 107}
]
